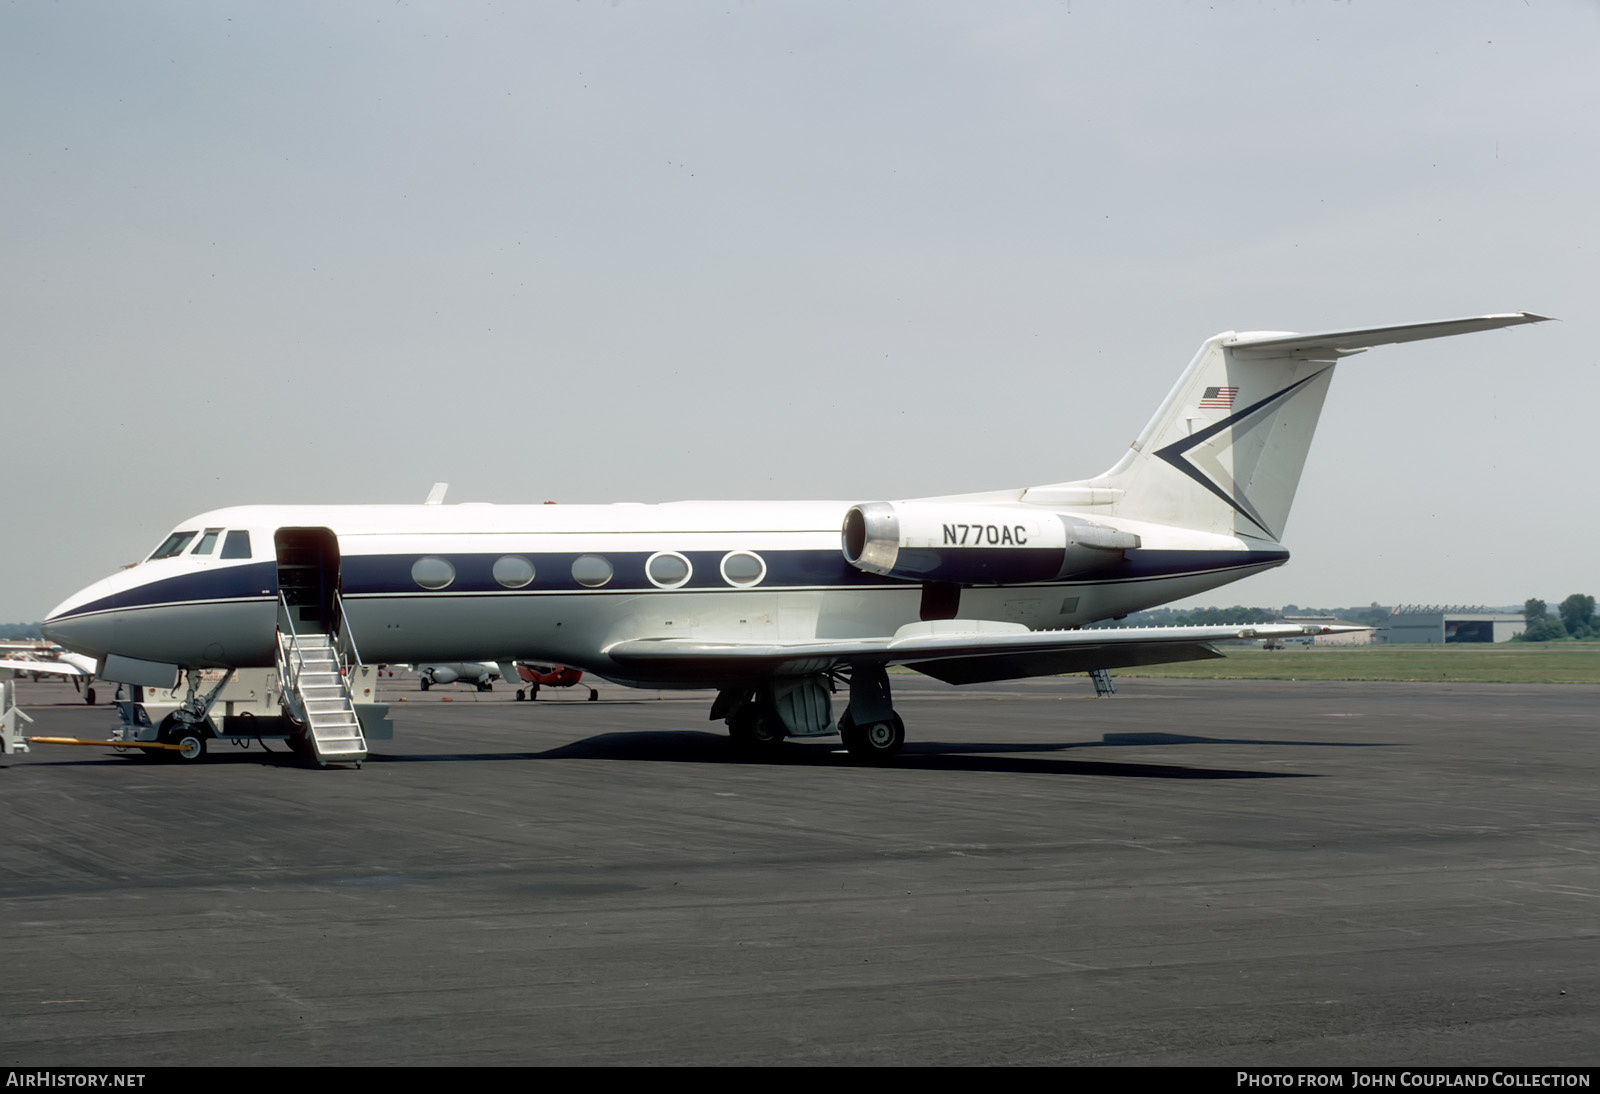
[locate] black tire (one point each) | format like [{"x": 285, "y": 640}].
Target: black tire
[
  {"x": 485, "y": 686},
  {"x": 426, "y": 683},
  {"x": 877, "y": 743},
  {"x": 88, "y": 696},
  {"x": 192, "y": 738},
  {"x": 755, "y": 734},
  {"x": 520, "y": 696},
  {"x": 299, "y": 741}
]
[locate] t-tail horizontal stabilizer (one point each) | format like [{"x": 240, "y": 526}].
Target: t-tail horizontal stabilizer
[{"x": 1224, "y": 452}]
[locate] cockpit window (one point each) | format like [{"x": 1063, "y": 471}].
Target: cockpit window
[
  {"x": 174, "y": 544},
  {"x": 208, "y": 542},
  {"x": 237, "y": 545}
]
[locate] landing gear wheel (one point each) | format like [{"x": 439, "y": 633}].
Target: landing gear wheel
[
  {"x": 877, "y": 743},
  {"x": 426, "y": 683},
  {"x": 755, "y": 734},
  {"x": 299, "y": 741},
  {"x": 594, "y": 696},
  {"x": 485, "y": 686},
  {"x": 190, "y": 738},
  {"x": 88, "y": 696},
  {"x": 520, "y": 696}
]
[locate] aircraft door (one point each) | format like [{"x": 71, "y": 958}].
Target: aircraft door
[{"x": 308, "y": 576}]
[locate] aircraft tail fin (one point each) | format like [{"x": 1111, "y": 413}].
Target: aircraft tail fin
[{"x": 1225, "y": 450}]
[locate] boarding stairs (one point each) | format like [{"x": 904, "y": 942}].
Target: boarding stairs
[{"x": 312, "y": 669}]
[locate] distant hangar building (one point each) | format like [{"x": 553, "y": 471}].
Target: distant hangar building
[{"x": 1424, "y": 624}]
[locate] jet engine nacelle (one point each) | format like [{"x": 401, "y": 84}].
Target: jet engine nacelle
[{"x": 977, "y": 544}]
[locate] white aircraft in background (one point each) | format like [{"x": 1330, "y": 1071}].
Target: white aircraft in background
[
  {"x": 481, "y": 674},
  {"x": 42, "y": 659},
  {"x": 771, "y": 603}
]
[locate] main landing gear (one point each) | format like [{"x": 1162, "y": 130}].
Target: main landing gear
[
  {"x": 759, "y": 718},
  {"x": 755, "y": 732},
  {"x": 875, "y": 743}
]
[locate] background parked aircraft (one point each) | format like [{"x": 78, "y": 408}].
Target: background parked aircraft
[
  {"x": 42, "y": 659},
  {"x": 482, "y": 674}
]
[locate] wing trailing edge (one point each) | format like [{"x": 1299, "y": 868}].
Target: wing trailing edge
[{"x": 957, "y": 651}]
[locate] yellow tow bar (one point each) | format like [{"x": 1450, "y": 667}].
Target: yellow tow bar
[{"x": 105, "y": 744}]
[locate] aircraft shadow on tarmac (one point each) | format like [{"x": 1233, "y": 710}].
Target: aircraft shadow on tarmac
[
  {"x": 658, "y": 746},
  {"x": 1124, "y": 739},
  {"x": 683, "y": 747}
]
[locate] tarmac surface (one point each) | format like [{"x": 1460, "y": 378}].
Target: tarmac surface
[{"x": 1239, "y": 873}]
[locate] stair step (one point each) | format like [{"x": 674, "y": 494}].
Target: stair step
[{"x": 312, "y": 663}]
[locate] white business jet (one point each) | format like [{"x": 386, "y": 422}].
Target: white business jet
[{"x": 773, "y": 604}]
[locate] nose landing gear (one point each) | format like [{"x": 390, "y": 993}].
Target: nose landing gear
[{"x": 190, "y": 739}]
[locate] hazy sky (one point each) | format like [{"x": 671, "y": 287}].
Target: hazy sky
[{"x": 335, "y": 252}]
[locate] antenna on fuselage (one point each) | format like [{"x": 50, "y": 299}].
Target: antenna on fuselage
[{"x": 436, "y": 495}]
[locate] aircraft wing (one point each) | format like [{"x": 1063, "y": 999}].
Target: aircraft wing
[
  {"x": 43, "y": 668},
  {"x": 955, "y": 651}
]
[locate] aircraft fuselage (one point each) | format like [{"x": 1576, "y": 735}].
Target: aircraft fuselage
[{"x": 564, "y": 582}]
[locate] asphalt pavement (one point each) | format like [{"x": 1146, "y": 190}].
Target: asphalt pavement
[{"x": 1191, "y": 872}]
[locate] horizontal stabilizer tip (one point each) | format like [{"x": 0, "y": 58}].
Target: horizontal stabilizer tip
[{"x": 1340, "y": 342}]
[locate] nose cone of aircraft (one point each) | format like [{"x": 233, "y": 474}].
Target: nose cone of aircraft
[{"x": 77, "y": 623}]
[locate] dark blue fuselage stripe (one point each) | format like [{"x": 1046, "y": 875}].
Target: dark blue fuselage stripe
[{"x": 384, "y": 575}]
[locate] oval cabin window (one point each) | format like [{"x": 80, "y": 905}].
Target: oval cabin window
[
  {"x": 591, "y": 571},
  {"x": 743, "y": 569},
  {"x": 432, "y": 573},
  {"x": 668, "y": 570},
  {"x": 513, "y": 571}
]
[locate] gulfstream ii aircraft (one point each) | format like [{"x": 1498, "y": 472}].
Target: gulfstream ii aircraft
[{"x": 772, "y": 604}]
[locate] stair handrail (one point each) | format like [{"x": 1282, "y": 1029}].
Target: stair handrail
[
  {"x": 346, "y": 634},
  {"x": 293, "y": 682}
]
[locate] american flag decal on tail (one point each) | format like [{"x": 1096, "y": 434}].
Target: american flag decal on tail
[{"x": 1218, "y": 398}]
